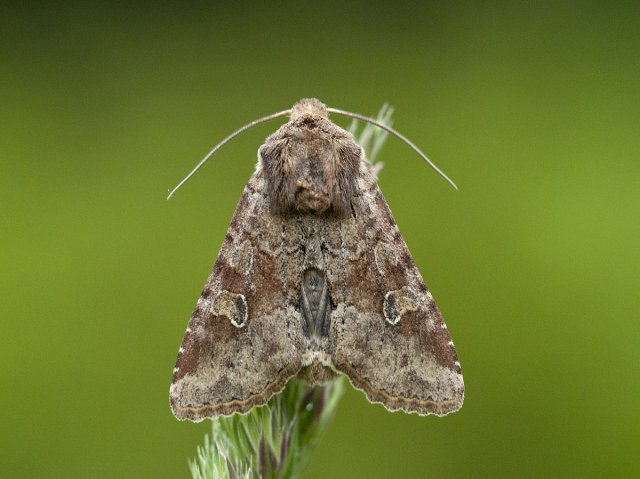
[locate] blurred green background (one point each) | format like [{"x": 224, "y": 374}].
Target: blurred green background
[{"x": 533, "y": 108}]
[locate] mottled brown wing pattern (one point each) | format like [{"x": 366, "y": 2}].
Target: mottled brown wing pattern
[
  {"x": 387, "y": 333},
  {"x": 314, "y": 277},
  {"x": 243, "y": 344}
]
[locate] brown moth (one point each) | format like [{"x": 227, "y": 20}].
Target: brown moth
[{"x": 314, "y": 279}]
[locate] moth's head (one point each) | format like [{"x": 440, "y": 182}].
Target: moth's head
[
  {"x": 310, "y": 164},
  {"x": 308, "y": 107}
]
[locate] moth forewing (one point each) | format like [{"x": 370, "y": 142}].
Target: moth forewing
[
  {"x": 225, "y": 366},
  {"x": 389, "y": 336},
  {"x": 314, "y": 278}
]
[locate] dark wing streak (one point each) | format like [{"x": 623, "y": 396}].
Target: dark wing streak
[
  {"x": 243, "y": 341},
  {"x": 410, "y": 365}
]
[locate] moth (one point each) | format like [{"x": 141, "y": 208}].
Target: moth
[{"x": 313, "y": 280}]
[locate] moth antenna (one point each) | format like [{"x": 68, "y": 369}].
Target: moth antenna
[
  {"x": 225, "y": 141},
  {"x": 406, "y": 140}
]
